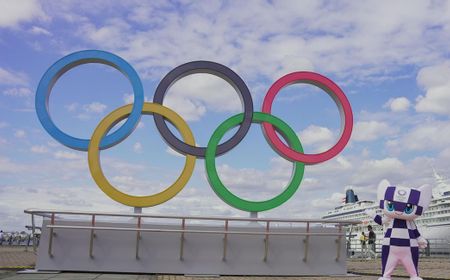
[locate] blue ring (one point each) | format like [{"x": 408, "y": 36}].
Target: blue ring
[{"x": 65, "y": 64}]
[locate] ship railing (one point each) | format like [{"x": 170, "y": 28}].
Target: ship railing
[{"x": 270, "y": 227}]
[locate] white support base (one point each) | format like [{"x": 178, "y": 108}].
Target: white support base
[{"x": 198, "y": 254}]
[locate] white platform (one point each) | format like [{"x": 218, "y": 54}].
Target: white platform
[{"x": 202, "y": 254}]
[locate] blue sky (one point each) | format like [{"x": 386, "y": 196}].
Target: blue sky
[{"x": 390, "y": 58}]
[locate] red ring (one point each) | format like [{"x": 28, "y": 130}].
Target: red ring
[{"x": 338, "y": 96}]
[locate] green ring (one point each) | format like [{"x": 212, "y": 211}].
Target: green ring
[{"x": 235, "y": 201}]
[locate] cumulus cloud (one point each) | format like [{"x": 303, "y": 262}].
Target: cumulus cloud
[
  {"x": 371, "y": 130},
  {"x": 39, "y": 149},
  {"x": 15, "y": 12},
  {"x": 8, "y": 77},
  {"x": 72, "y": 107},
  {"x": 137, "y": 147},
  {"x": 436, "y": 82},
  {"x": 94, "y": 107},
  {"x": 8, "y": 166},
  {"x": 20, "y": 133},
  {"x": 298, "y": 37},
  {"x": 370, "y": 171},
  {"x": 255, "y": 184},
  {"x": 172, "y": 152},
  {"x": 329, "y": 202},
  {"x": 18, "y": 92},
  {"x": 190, "y": 110},
  {"x": 427, "y": 136},
  {"x": 193, "y": 95},
  {"x": 66, "y": 155},
  {"x": 317, "y": 136},
  {"x": 128, "y": 98},
  {"x": 399, "y": 104}
]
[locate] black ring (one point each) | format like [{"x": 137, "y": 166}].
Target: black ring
[{"x": 220, "y": 71}]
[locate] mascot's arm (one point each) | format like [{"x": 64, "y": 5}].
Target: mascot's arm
[
  {"x": 420, "y": 239},
  {"x": 377, "y": 218}
]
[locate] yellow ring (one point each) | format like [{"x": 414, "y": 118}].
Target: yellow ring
[{"x": 94, "y": 156}]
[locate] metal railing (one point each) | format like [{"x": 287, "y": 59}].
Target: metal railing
[
  {"x": 54, "y": 216},
  {"x": 435, "y": 248}
]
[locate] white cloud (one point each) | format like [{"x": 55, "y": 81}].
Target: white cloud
[
  {"x": 172, "y": 152},
  {"x": 436, "y": 81},
  {"x": 39, "y": 149},
  {"x": 122, "y": 179},
  {"x": 12, "y": 78},
  {"x": 36, "y": 30},
  {"x": 137, "y": 147},
  {"x": 301, "y": 36},
  {"x": 18, "y": 92},
  {"x": 72, "y": 107},
  {"x": 315, "y": 135},
  {"x": 371, "y": 130},
  {"x": 7, "y": 166},
  {"x": 434, "y": 75},
  {"x": 66, "y": 155},
  {"x": 256, "y": 184},
  {"x": 190, "y": 110},
  {"x": 20, "y": 133},
  {"x": 14, "y": 12},
  {"x": 330, "y": 202},
  {"x": 373, "y": 170},
  {"x": 94, "y": 107},
  {"x": 427, "y": 136},
  {"x": 194, "y": 95},
  {"x": 437, "y": 100},
  {"x": 399, "y": 104},
  {"x": 128, "y": 98},
  {"x": 110, "y": 32}
]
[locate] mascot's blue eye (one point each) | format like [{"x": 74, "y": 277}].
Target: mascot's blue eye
[
  {"x": 390, "y": 206},
  {"x": 409, "y": 209}
]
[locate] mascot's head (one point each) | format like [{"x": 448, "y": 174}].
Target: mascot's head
[{"x": 403, "y": 203}]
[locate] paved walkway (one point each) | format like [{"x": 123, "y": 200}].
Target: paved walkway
[
  {"x": 14, "y": 258},
  {"x": 90, "y": 276}
]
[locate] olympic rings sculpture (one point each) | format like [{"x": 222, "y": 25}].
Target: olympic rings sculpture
[{"x": 100, "y": 139}]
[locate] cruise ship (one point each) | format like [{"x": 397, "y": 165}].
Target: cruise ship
[{"x": 434, "y": 224}]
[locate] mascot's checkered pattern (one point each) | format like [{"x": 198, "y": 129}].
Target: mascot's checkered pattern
[{"x": 401, "y": 243}]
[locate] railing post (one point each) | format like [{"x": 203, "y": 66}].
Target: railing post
[
  {"x": 138, "y": 237},
  {"x": 50, "y": 242},
  {"x": 225, "y": 237},
  {"x": 306, "y": 241},
  {"x": 183, "y": 226},
  {"x": 91, "y": 241},
  {"x": 33, "y": 232},
  {"x": 338, "y": 241},
  {"x": 266, "y": 241}
]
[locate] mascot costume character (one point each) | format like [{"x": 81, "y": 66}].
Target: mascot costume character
[{"x": 401, "y": 243}]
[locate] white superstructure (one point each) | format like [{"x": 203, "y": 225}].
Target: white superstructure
[{"x": 433, "y": 224}]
